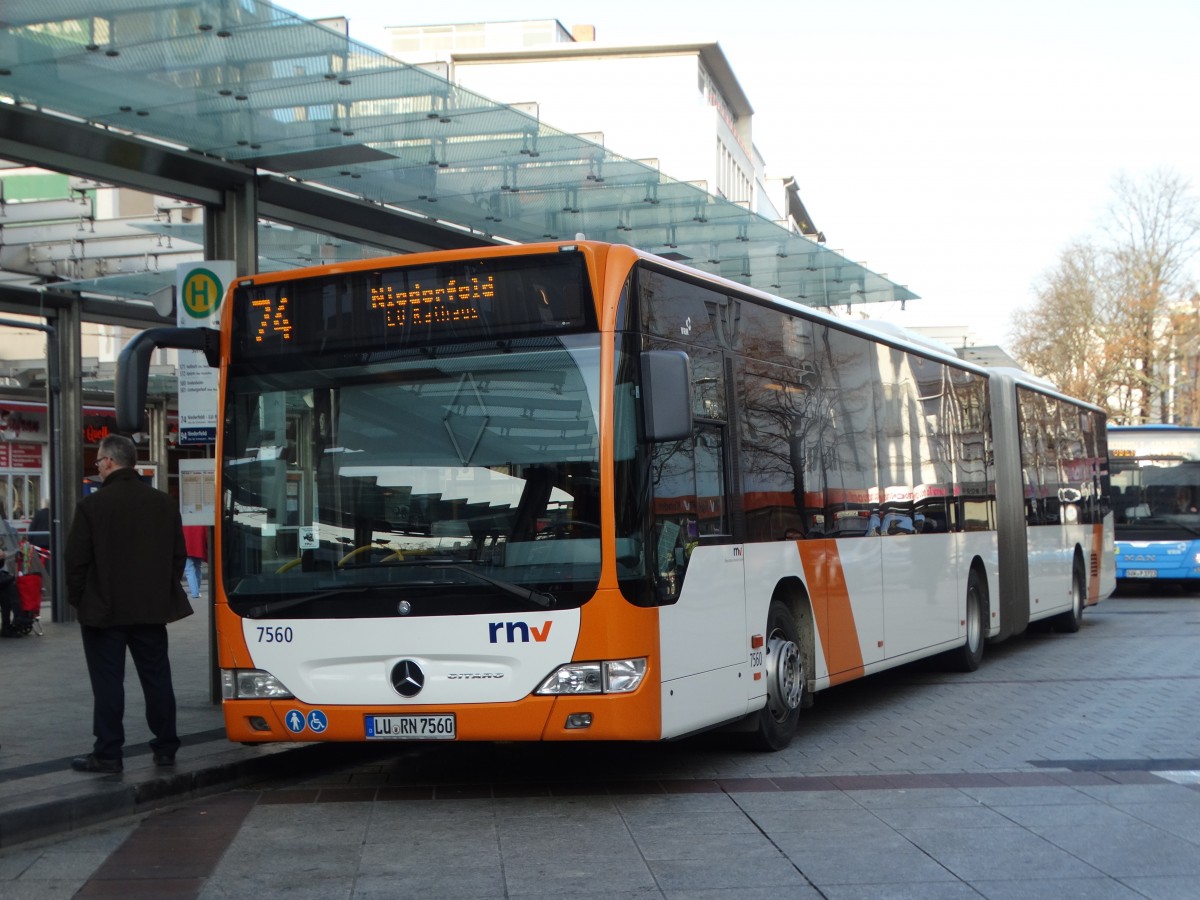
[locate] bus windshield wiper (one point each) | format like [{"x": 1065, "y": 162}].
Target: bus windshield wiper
[
  {"x": 257, "y": 612},
  {"x": 538, "y": 598}
]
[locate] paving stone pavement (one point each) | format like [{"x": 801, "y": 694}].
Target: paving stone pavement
[
  {"x": 46, "y": 719},
  {"x": 1067, "y": 766}
]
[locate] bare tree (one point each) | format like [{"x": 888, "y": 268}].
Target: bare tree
[
  {"x": 1114, "y": 321},
  {"x": 1153, "y": 226},
  {"x": 1184, "y": 334},
  {"x": 1063, "y": 336}
]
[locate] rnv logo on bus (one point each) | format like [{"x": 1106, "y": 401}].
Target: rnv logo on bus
[{"x": 517, "y": 632}]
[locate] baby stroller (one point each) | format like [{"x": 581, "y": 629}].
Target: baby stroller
[
  {"x": 21, "y": 575},
  {"x": 31, "y": 564}
]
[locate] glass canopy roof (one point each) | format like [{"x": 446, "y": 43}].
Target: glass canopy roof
[{"x": 248, "y": 82}]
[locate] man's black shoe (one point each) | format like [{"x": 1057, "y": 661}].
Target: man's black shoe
[
  {"x": 93, "y": 763},
  {"x": 164, "y": 759}
]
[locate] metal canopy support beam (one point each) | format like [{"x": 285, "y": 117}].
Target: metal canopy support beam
[
  {"x": 30, "y": 302},
  {"x": 230, "y": 232},
  {"x": 49, "y": 142},
  {"x": 231, "y": 229},
  {"x": 67, "y": 463}
]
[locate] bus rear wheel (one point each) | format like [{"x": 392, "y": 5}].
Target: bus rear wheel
[
  {"x": 1069, "y": 622},
  {"x": 785, "y": 676},
  {"x": 968, "y": 657}
]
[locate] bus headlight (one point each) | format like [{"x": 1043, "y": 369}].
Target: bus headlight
[
  {"x": 252, "y": 684},
  {"x": 611, "y": 676}
]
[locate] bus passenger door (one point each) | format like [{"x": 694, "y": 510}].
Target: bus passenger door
[{"x": 701, "y": 579}]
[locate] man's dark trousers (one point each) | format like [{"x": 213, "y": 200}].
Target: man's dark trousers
[{"x": 104, "y": 650}]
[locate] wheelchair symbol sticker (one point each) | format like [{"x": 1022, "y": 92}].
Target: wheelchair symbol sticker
[
  {"x": 317, "y": 721},
  {"x": 295, "y": 721}
]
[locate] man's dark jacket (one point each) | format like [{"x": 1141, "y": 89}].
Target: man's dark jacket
[{"x": 125, "y": 555}]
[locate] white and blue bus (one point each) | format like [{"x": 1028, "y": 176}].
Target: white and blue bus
[{"x": 1156, "y": 498}]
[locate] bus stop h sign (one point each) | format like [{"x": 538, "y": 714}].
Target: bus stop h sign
[{"x": 199, "y": 290}]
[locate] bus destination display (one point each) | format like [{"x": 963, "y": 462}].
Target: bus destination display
[
  {"x": 441, "y": 304},
  {"x": 430, "y": 304},
  {"x": 381, "y": 309}
]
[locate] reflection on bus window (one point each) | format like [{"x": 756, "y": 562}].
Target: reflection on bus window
[
  {"x": 689, "y": 505},
  {"x": 895, "y": 520}
]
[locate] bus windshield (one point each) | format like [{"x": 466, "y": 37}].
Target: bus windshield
[
  {"x": 1156, "y": 493},
  {"x": 420, "y": 484}
]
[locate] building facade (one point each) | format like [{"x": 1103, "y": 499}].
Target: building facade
[{"x": 676, "y": 104}]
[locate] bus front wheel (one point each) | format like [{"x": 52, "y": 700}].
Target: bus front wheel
[{"x": 785, "y": 676}]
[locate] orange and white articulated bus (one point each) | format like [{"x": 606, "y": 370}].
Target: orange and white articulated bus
[{"x": 574, "y": 491}]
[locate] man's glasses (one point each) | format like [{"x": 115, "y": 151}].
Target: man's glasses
[{"x": 100, "y": 459}]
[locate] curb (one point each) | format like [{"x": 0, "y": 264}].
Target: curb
[{"x": 51, "y": 808}]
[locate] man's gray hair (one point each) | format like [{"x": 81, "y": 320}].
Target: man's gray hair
[{"x": 120, "y": 449}]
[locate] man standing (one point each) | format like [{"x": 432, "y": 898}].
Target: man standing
[{"x": 124, "y": 560}]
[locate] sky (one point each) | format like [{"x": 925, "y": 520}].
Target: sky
[{"x": 957, "y": 148}]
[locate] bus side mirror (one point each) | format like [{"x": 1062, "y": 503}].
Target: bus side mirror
[
  {"x": 133, "y": 368},
  {"x": 666, "y": 395}
]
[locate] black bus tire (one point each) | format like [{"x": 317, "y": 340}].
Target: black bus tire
[
  {"x": 1069, "y": 622},
  {"x": 786, "y": 675},
  {"x": 968, "y": 657}
]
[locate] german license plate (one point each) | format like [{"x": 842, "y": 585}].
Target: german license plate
[
  {"x": 1141, "y": 573},
  {"x": 433, "y": 727}
]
